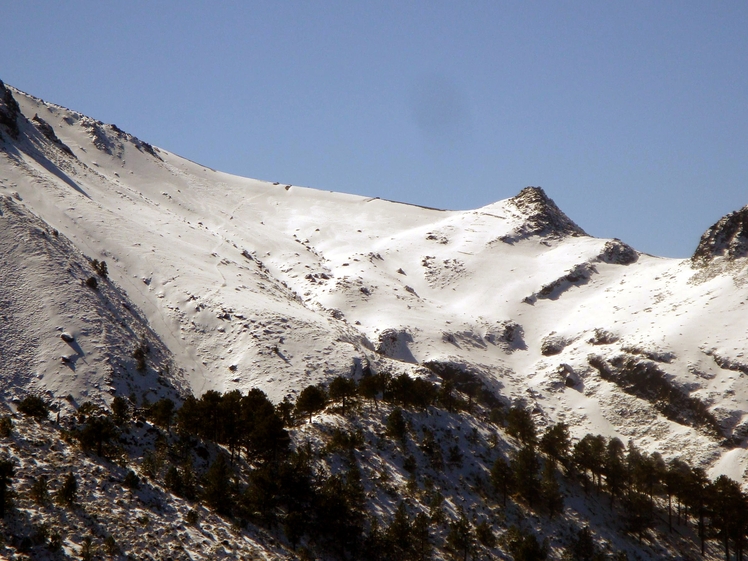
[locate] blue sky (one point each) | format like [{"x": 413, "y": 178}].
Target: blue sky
[{"x": 633, "y": 116}]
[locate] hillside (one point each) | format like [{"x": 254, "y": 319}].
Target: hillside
[{"x": 234, "y": 284}]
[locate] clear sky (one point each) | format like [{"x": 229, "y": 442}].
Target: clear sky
[{"x": 633, "y": 116}]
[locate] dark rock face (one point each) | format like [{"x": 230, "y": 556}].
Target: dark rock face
[
  {"x": 49, "y": 133},
  {"x": 544, "y": 218},
  {"x": 9, "y": 112},
  {"x": 727, "y": 238}
]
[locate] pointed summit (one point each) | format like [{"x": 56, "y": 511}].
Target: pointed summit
[
  {"x": 544, "y": 218},
  {"x": 727, "y": 238}
]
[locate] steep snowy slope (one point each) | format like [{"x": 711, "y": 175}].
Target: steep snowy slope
[
  {"x": 250, "y": 283},
  {"x": 67, "y": 330}
]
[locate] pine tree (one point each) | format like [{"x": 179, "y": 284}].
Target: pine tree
[
  {"x": 399, "y": 535},
  {"x": 162, "y": 412},
  {"x": 589, "y": 455},
  {"x": 615, "y": 469},
  {"x": 120, "y": 410},
  {"x": 550, "y": 490},
  {"x": 342, "y": 389},
  {"x": 556, "y": 442},
  {"x": 502, "y": 477},
  {"x": 311, "y": 400},
  {"x": 583, "y": 546},
  {"x": 396, "y": 425},
  {"x": 97, "y": 432},
  {"x": 524, "y": 546},
  {"x": 421, "y": 537},
  {"x": 66, "y": 494},
  {"x": 7, "y": 471},
  {"x": 39, "y": 491},
  {"x": 217, "y": 491},
  {"x": 526, "y": 468},
  {"x": 460, "y": 537},
  {"x": 485, "y": 535},
  {"x": 369, "y": 387},
  {"x": 520, "y": 425}
]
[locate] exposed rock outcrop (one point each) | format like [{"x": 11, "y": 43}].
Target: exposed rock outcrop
[
  {"x": 727, "y": 238},
  {"x": 544, "y": 218},
  {"x": 615, "y": 252},
  {"x": 9, "y": 112},
  {"x": 49, "y": 133}
]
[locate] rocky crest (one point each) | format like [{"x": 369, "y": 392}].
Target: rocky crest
[
  {"x": 544, "y": 218},
  {"x": 9, "y": 112},
  {"x": 727, "y": 238}
]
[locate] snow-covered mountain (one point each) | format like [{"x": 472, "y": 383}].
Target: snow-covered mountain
[
  {"x": 241, "y": 283},
  {"x": 126, "y": 270}
]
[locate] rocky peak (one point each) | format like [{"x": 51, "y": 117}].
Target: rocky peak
[
  {"x": 9, "y": 112},
  {"x": 727, "y": 238},
  {"x": 544, "y": 218}
]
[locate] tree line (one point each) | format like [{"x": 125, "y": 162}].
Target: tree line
[{"x": 284, "y": 489}]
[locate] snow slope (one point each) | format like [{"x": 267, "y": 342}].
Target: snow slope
[{"x": 252, "y": 283}]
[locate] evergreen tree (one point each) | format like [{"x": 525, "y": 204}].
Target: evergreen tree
[
  {"x": 520, "y": 425},
  {"x": 582, "y": 548},
  {"x": 34, "y": 406},
  {"x": 698, "y": 491},
  {"x": 369, "y": 387},
  {"x": 399, "y": 535},
  {"x": 342, "y": 390},
  {"x": 421, "y": 537},
  {"x": 726, "y": 501},
  {"x": 502, "y": 477},
  {"x": 484, "y": 534},
  {"x": 589, "y": 455},
  {"x": 66, "y": 494},
  {"x": 209, "y": 415},
  {"x": 230, "y": 413},
  {"x": 556, "y": 442},
  {"x": 638, "y": 515},
  {"x": 39, "y": 492},
  {"x": 446, "y": 396},
  {"x": 217, "y": 492},
  {"x": 120, "y": 410},
  {"x": 6, "y": 427},
  {"x": 311, "y": 400},
  {"x": 339, "y": 520},
  {"x": 526, "y": 469},
  {"x": 524, "y": 546},
  {"x": 285, "y": 411},
  {"x": 261, "y": 428},
  {"x": 460, "y": 537},
  {"x": 188, "y": 417},
  {"x": 675, "y": 482},
  {"x": 396, "y": 425},
  {"x": 98, "y": 431},
  {"x": 550, "y": 490},
  {"x": 261, "y": 499},
  {"x": 162, "y": 412},
  {"x": 615, "y": 469},
  {"x": 7, "y": 471}
]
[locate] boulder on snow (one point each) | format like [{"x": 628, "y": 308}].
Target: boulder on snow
[
  {"x": 615, "y": 252},
  {"x": 67, "y": 337},
  {"x": 553, "y": 344}
]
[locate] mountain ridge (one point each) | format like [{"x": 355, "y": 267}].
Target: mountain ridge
[{"x": 239, "y": 284}]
